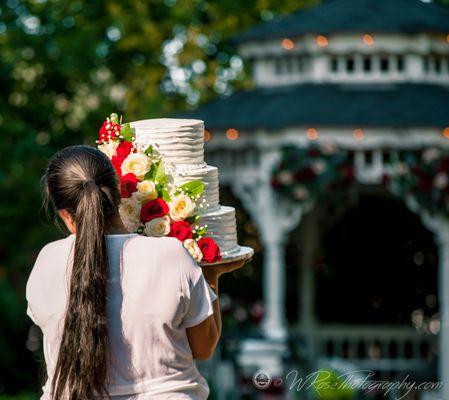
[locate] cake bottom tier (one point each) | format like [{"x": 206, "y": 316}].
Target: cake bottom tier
[{"x": 221, "y": 227}]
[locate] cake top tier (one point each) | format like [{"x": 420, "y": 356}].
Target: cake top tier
[
  {"x": 167, "y": 124},
  {"x": 180, "y": 141}
]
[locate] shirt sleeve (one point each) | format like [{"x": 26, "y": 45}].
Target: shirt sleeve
[
  {"x": 198, "y": 296},
  {"x": 30, "y": 314},
  {"x": 200, "y": 304}
]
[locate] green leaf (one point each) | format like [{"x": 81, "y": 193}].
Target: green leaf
[
  {"x": 127, "y": 132},
  {"x": 163, "y": 192},
  {"x": 114, "y": 118},
  {"x": 191, "y": 220},
  {"x": 160, "y": 175},
  {"x": 193, "y": 188},
  {"x": 157, "y": 173},
  {"x": 201, "y": 231},
  {"x": 151, "y": 173},
  {"x": 149, "y": 150},
  {"x": 166, "y": 195},
  {"x": 159, "y": 189}
]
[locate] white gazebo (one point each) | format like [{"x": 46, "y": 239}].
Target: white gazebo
[{"x": 371, "y": 77}]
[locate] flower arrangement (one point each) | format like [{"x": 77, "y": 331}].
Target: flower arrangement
[
  {"x": 304, "y": 174},
  {"x": 424, "y": 178},
  {"x": 151, "y": 204}
]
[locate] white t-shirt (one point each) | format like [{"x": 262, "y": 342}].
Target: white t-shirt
[{"x": 156, "y": 290}]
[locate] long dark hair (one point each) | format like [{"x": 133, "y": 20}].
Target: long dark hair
[{"x": 82, "y": 180}]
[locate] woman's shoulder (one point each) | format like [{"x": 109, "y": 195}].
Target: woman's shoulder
[
  {"x": 52, "y": 249},
  {"x": 155, "y": 245},
  {"x": 49, "y": 258},
  {"x": 164, "y": 248}
]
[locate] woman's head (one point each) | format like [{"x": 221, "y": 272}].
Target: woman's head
[
  {"x": 82, "y": 185},
  {"x": 76, "y": 173}
]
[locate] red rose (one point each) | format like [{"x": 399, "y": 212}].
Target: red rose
[
  {"x": 304, "y": 175},
  {"x": 153, "y": 209},
  {"x": 313, "y": 152},
  {"x": 117, "y": 163},
  {"x": 443, "y": 165},
  {"x": 128, "y": 184},
  {"x": 275, "y": 183},
  {"x": 123, "y": 149},
  {"x": 210, "y": 249},
  {"x": 181, "y": 230},
  {"x": 348, "y": 173},
  {"x": 425, "y": 184},
  {"x": 108, "y": 130},
  {"x": 103, "y": 133}
]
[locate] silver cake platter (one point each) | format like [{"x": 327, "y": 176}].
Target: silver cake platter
[{"x": 242, "y": 253}]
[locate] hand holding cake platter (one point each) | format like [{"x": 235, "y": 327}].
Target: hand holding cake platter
[{"x": 168, "y": 189}]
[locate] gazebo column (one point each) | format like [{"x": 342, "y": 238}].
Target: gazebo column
[
  {"x": 443, "y": 365},
  {"x": 440, "y": 227},
  {"x": 274, "y": 217},
  {"x": 274, "y": 324},
  {"x": 306, "y": 317}
]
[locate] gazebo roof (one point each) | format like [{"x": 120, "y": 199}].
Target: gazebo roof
[
  {"x": 360, "y": 105},
  {"x": 406, "y": 16}
]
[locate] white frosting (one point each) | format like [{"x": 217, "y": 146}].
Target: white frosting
[
  {"x": 209, "y": 176},
  {"x": 180, "y": 141},
  {"x": 222, "y": 228}
]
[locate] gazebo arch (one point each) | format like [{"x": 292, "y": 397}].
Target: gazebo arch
[
  {"x": 364, "y": 344},
  {"x": 276, "y": 216}
]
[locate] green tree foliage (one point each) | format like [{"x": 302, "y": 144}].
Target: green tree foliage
[{"x": 64, "y": 65}]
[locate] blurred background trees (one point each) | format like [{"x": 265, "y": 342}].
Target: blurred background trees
[{"x": 64, "y": 66}]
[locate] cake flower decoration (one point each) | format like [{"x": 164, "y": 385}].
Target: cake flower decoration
[{"x": 151, "y": 203}]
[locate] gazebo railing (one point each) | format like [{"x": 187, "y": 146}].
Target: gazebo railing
[{"x": 378, "y": 348}]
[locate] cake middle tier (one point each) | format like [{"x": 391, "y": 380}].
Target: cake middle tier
[
  {"x": 221, "y": 227},
  {"x": 180, "y": 141},
  {"x": 209, "y": 200}
]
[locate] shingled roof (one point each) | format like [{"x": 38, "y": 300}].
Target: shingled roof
[
  {"x": 406, "y": 16},
  {"x": 395, "y": 105}
]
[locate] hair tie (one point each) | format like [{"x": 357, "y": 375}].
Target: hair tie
[{"x": 89, "y": 183}]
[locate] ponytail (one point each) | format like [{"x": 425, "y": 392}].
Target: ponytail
[{"x": 82, "y": 366}]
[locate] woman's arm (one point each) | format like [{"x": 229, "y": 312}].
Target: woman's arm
[{"x": 203, "y": 338}]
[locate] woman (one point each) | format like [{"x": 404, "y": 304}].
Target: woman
[{"x": 122, "y": 315}]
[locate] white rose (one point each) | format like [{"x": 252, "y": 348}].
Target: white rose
[
  {"x": 181, "y": 207},
  {"x": 285, "y": 177},
  {"x": 328, "y": 148},
  {"x": 192, "y": 247},
  {"x": 129, "y": 210},
  {"x": 402, "y": 169},
  {"x": 158, "y": 226},
  {"x": 146, "y": 190},
  {"x": 430, "y": 155},
  {"x": 137, "y": 164},
  {"x": 300, "y": 193},
  {"x": 109, "y": 148},
  {"x": 319, "y": 166},
  {"x": 441, "y": 180}
]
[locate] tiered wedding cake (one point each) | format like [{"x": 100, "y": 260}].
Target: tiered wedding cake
[{"x": 181, "y": 143}]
